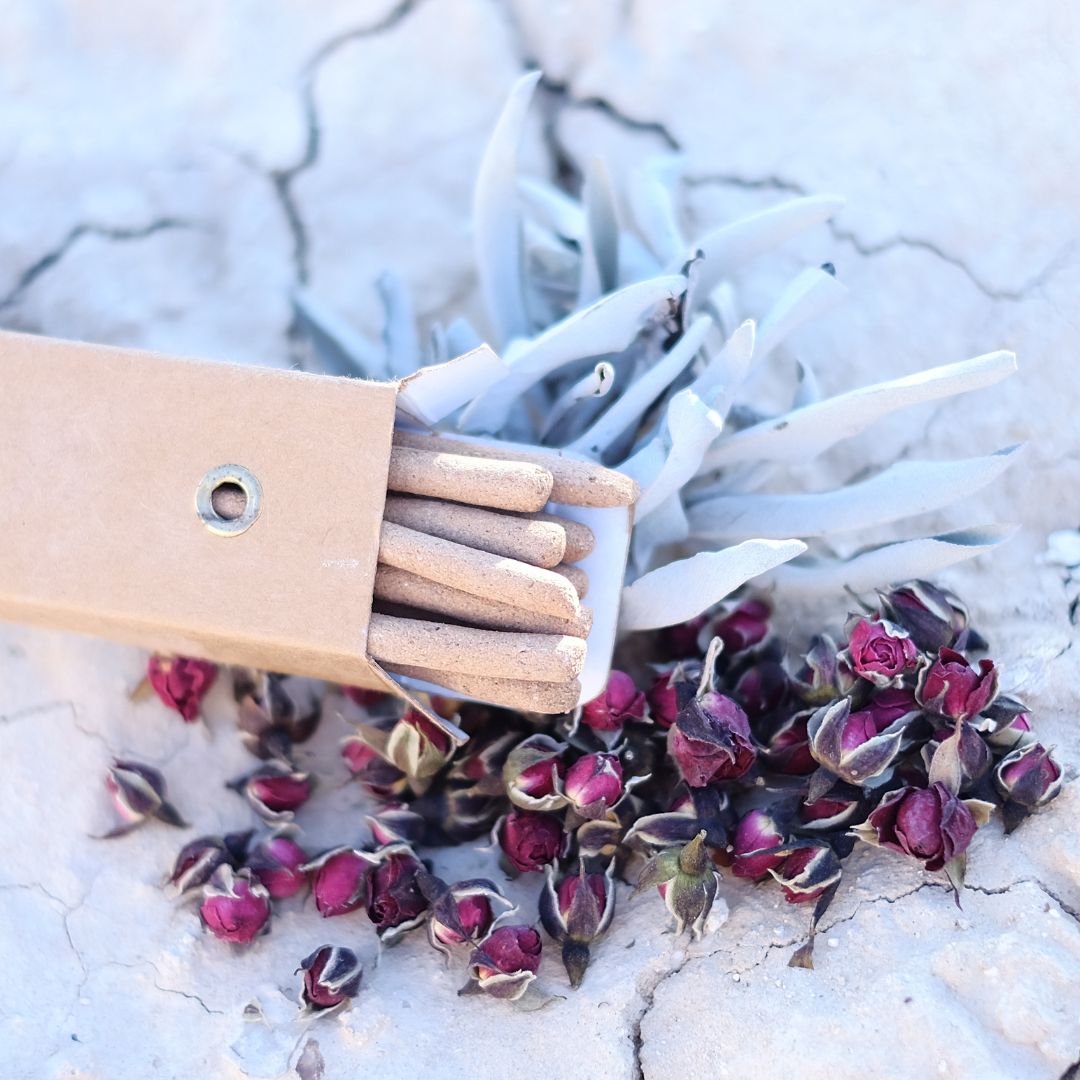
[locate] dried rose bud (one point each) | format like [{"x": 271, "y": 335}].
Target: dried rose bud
[
  {"x": 594, "y": 784},
  {"x": 951, "y": 687},
  {"x": 576, "y": 912},
  {"x": 929, "y": 824},
  {"x": 533, "y": 771},
  {"x": 711, "y": 740},
  {"x": 807, "y": 873},
  {"x": 849, "y": 744},
  {"x": 395, "y": 902},
  {"x": 934, "y": 617},
  {"x": 683, "y": 641},
  {"x": 1028, "y": 779},
  {"x": 235, "y": 907},
  {"x": 138, "y": 794},
  {"x": 396, "y": 823},
  {"x": 619, "y": 704},
  {"x": 531, "y": 841},
  {"x": 197, "y": 861},
  {"x": 276, "y": 790},
  {"x": 331, "y": 980},
  {"x": 972, "y": 755},
  {"x": 843, "y": 806},
  {"x": 762, "y": 689},
  {"x": 788, "y": 748},
  {"x": 663, "y": 698},
  {"x": 366, "y": 699},
  {"x": 1010, "y": 731},
  {"x": 687, "y": 880},
  {"x": 375, "y": 775},
  {"x": 823, "y": 675},
  {"x": 757, "y": 830},
  {"x": 889, "y": 705},
  {"x": 181, "y": 682},
  {"x": 340, "y": 880},
  {"x": 275, "y": 711},
  {"x": 462, "y": 913},
  {"x": 506, "y": 961},
  {"x": 418, "y": 746},
  {"x": 278, "y": 862},
  {"x": 691, "y": 811},
  {"x": 880, "y": 651},
  {"x": 745, "y": 626}
]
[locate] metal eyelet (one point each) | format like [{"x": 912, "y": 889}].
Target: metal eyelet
[{"x": 204, "y": 499}]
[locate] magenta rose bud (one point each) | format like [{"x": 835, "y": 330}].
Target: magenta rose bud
[
  {"x": 331, "y": 980},
  {"x": 340, "y": 881},
  {"x": 663, "y": 698},
  {"x": 929, "y": 824},
  {"x": 396, "y": 823},
  {"x": 880, "y": 651},
  {"x": 138, "y": 795},
  {"x": 933, "y": 617},
  {"x": 745, "y": 626},
  {"x": 374, "y": 774},
  {"x": 951, "y": 687},
  {"x": 807, "y": 873},
  {"x": 235, "y": 906},
  {"x": 533, "y": 771},
  {"x": 576, "y": 913},
  {"x": 506, "y": 961},
  {"x": 620, "y": 703},
  {"x": 681, "y": 642},
  {"x": 757, "y": 830},
  {"x": 181, "y": 682},
  {"x": 594, "y": 784},
  {"x": 711, "y": 740},
  {"x": 395, "y": 901},
  {"x": 277, "y": 791},
  {"x": 462, "y": 913},
  {"x": 366, "y": 699},
  {"x": 849, "y": 745},
  {"x": 279, "y": 864},
  {"x": 842, "y": 806},
  {"x": 530, "y": 840},
  {"x": 1027, "y": 779}
]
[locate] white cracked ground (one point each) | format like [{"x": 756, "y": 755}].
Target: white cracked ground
[{"x": 168, "y": 173}]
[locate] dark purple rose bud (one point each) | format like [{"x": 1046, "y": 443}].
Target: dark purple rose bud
[
  {"x": 181, "y": 682},
  {"x": 1028, "y": 779},
  {"x": 951, "y": 687},
  {"x": 620, "y": 703},
  {"x": 933, "y": 617},
  {"x": 396, "y": 823},
  {"x": 880, "y": 651},
  {"x": 418, "y": 746},
  {"x": 745, "y": 626},
  {"x": 576, "y": 912},
  {"x": 849, "y": 744},
  {"x": 807, "y": 873},
  {"x": 138, "y": 794},
  {"x": 687, "y": 880},
  {"x": 663, "y": 698},
  {"x": 278, "y": 863},
  {"x": 929, "y": 824},
  {"x": 594, "y": 784},
  {"x": 331, "y": 980},
  {"x": 843, "y": 806},
  {"x": 395, "y": 902},
  {"x": 340, "y": 880},
  {"x": 506, "y": 961},
  {"x": 462, "y": 913},
  {"x": 275, "y": 711},
  {"x": 691, "y": 811},
  {"x": 682, "y": 642},
  {"x": 531, "y": 841},
  {"x": 235, "y": 906},
  {"x": 198, "y": 860},
  {"x": 533, "y": 771},
  {"x": 757, "y": 830},
  {"x": 762, "y": 689},
  {"x": 277, "y": 791},
  {"x": 972, "y": 755},
  {"x": 374, "y": 774},
  {"x": 711, "y": 740},
  {"x": 366, "y": 699},
  {"x": 824, "y": 675},
  {"x": 788, "y": 749}
]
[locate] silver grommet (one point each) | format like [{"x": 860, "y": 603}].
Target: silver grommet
[{"x": 244, "y": 496}]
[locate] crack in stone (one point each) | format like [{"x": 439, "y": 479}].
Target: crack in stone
[
  {"x": 112, "y": 233},
  {"x": 283, "y": 179},
  {"x": 648, "y": 997},
  {"x": 755, "y": 183}
]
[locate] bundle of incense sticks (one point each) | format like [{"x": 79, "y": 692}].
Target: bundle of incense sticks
[{"x": 477, "y": 589}]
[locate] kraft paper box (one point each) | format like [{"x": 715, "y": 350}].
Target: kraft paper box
[{"x": 105, "y": 451}]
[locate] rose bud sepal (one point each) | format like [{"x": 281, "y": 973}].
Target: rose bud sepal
[
  {"x": 196, "y": 861},
  {"x": 687, "y": 880},
  {"x": 138, "y": 793},
  {"x": 462, "y": 913},
  {"x": 849, "y": 745},
  {"x": 332, "y": 976},
  {"x": 576, "y": 913}
]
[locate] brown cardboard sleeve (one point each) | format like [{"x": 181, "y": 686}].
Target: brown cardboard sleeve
[{"x": 101, "y": 452}]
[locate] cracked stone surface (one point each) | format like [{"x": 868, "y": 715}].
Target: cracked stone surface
[{"x": 169, "y": 175}]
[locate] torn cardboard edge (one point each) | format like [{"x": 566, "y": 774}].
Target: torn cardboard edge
[{"x": 102, "y": 450}]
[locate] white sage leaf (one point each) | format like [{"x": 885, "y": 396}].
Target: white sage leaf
[
  {"x": 496, "y": 219},
  {"x": 399, "y": 329},
  {"x": 899, "y": 561},
  {"x": 649, "y": 194},
  {"x": 811, "y": 293},
  {"x": 804, "y": 433},
  {"x": 553, "y": 208},
  {"x": 600, "y": 244},
  {"x": 339, "y": 347},
  {"x": 902, "y": 490},
  {"x": 681, "y": 590}
]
